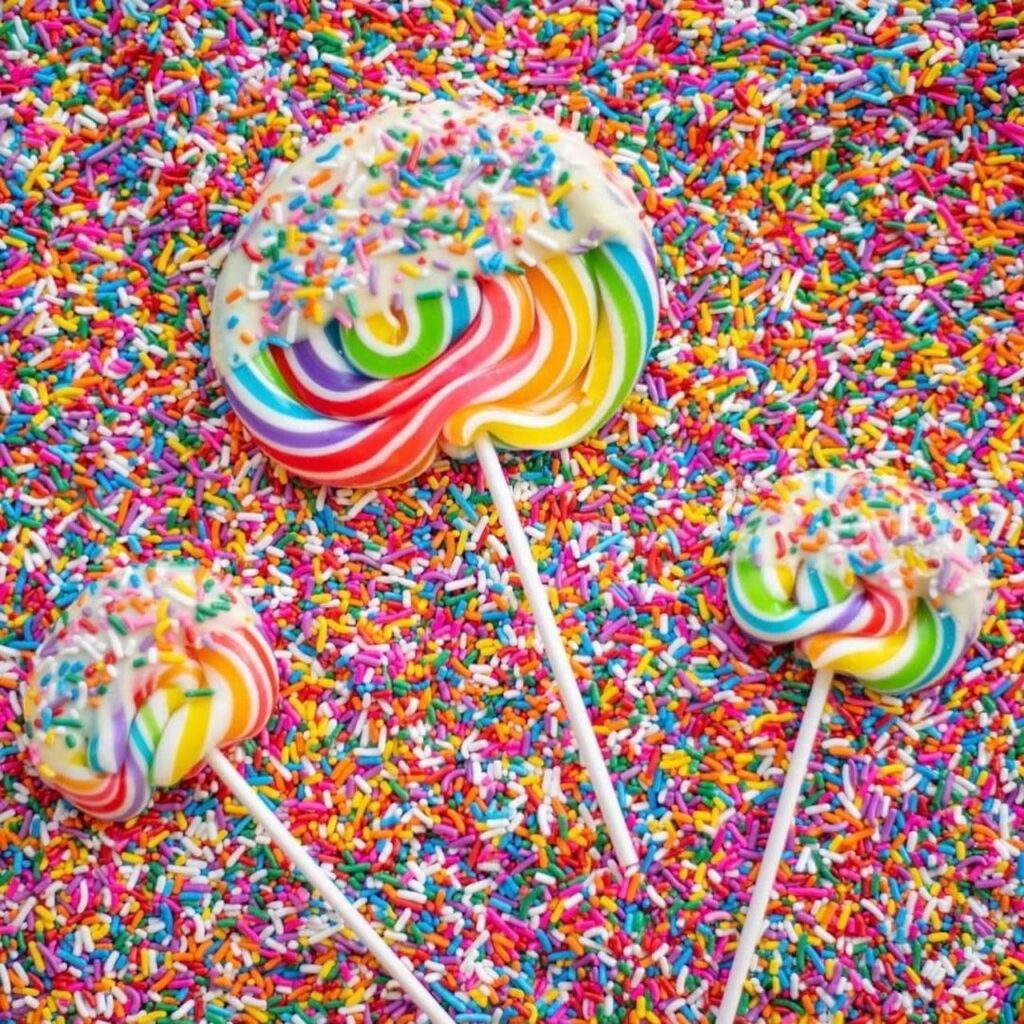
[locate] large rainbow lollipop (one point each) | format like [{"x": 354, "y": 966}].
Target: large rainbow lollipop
[
  {"x": 871, "y": 578},
  {"x": 141, "y": 681},
  {"x": 428, "y": 276},
  {"x": 440, "y": 276}
]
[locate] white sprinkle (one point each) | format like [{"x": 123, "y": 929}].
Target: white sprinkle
[
  {"x": 23, "y": 912},
  {"x": 794, "y": 283}
]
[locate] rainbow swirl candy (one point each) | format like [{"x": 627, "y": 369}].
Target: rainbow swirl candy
[
  {"x": 142, "y": 677},
  {"x": 870, "y": 577},
  {"x": 427, "y": 276}
]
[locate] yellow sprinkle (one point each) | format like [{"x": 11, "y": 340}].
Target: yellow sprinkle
[
  {"x": 55, "y": 148},
  {"x": 844, "y": 917},
  {"x": 165, "y": 255},
  {"x": 47, "y": 917},
  {"x": 68, "y": 392},
  {"x": 409, "y": 269},
  {"x": 566, "y": 187},
  {"x": 30, "y": 178}
]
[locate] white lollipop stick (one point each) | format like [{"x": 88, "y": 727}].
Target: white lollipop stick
[
  {"x": 322, "y": 882},
  {"x": 551, "y": 640},
  {"x": 775, "y": 847}
]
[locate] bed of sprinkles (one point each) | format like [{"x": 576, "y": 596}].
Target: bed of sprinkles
[{"x": 836, "y": 198}]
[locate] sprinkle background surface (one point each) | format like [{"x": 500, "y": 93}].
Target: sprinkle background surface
[{"x": 836, "y": 193}]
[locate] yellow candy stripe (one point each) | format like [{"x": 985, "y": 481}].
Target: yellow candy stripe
[
  {"x": 856, "y": 656},
  {"x": 220, "y": 670},
  {"x": 566, "y": 310}
]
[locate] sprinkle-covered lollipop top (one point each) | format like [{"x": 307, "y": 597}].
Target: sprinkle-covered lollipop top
[
  {"x": 428, "y": 276},
  {"x": 870, "y": 576},
  {"x": 410, "y": 201},
  {"x": 150, "y": 670}
]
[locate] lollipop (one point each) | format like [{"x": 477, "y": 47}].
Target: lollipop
[
  {"x": 141, "y": 682},
  {"x": 429, "y": 276},
  {"x": 871, "y": 578},
  {"x": 440, "y": 276}
]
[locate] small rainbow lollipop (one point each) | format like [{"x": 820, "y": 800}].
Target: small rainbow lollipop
[
  {"x": 871, "y": 578},
  {"x": 140, "y": 683},
  {"x": 441, "y": 276}
]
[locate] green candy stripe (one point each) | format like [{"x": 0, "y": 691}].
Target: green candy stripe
[
  {"x": 614, "y": 291},
  {"x": 265, "y": 364},
  {"x": 426, "y": 338}
]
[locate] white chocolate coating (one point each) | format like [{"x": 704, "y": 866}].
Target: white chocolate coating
[{"x": 377, "y": 208}]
